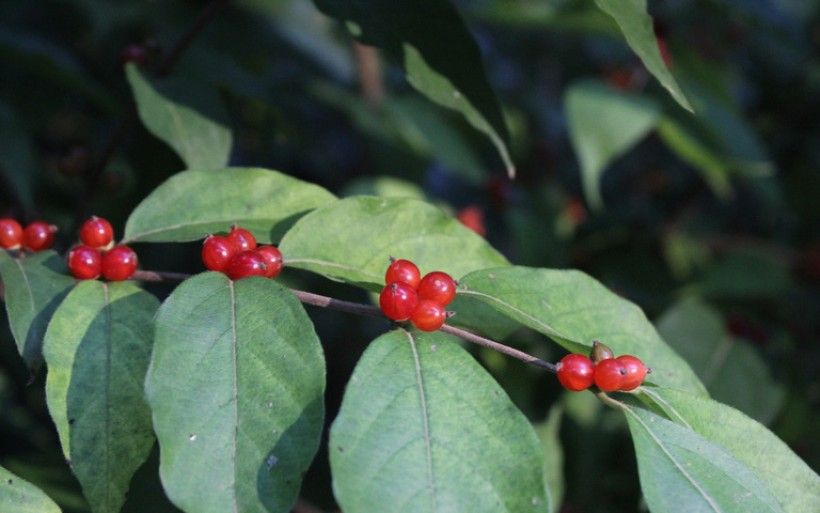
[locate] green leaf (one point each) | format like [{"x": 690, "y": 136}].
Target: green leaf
[
  {"x": 603, "y": 125},
  {"x": 440, "y": 58},
  {"x": 190, "y": 205},
  {"x": 682, "y": 472},
  {"x": 20, "y": 496},
  {"x": 548, "y": 432},
  {"x": 636, "y": 26},
  {"x": 424, "y": 428},
  {"x": 97, "y": 349},
  {"x": 746, "y": 274},
  {"x": 574, "y": 309},
  {"x": 383, "y": 186},
  {"x": 236, "y": 388},
  {"x": 201, "y": 142},
  {"x": 730, "y": 368},
  {"x": 35, "y": 286},
  {"x": 352, "y": 240},
  {"x": 793, "y": 483}
]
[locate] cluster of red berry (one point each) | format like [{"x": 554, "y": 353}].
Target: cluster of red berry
[
  {"x": 97, "y": 255},
  {"x": 37, "y": 236},
  {"x": 577, "y": 372},
  {"x": 408, "y": 296},
  {"x": 237, "y": 255}
]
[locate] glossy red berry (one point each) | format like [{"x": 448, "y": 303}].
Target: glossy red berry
[
  {"x": 428, "y": 316},
  {"x": 119, "y": 264},
  {"x": 609, "y": 375},
  {"x": 437, "y": 286},
  {"x": 473, "y": 218},
  {"x": 85, "y": 263},
  {"x": 273, "y": 260},
  {"x": 246, "y": 264},
  {"x": 96, "y": 232},
  {"x": 575, "y": 372},
  {"x": 635, "y": 371},
  {"x": 242, "y": 239},
  {"x": 11, "y": 234},
  {"x": 403, "y": 271},
  {"x": 398, "y": 301},
  {"x": 217, "y": 253},
  {"x": 39, "y": 235}
]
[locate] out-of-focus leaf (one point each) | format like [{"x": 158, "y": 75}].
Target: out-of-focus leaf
[
  {"x": 424, "y": 428},
  {"x": 35, "y": 286},
  {"x": 201, "y": 142},
  {"x": 603, "y": 125},
  {"x": 574, "y": 309},
  {"x": 637, "y": 28},
  {"x": 20, "y": 496},
  {"x": 730, "y": 368},
  {"x": 16, "y": 156},
  {"x": 384, "y": 187},
  {"x": 548, "y": 432},
  {"x": 745, "y": 274},
  {"x": 682, "y": 472},
  {"x": 97, "y": 349},
  {"x": 793, "y": 483},
  {"x": 579, "y": 17},
  {"x": 190, "y": 205},
  {"x": 236, "y": 388},
  {"x": 438, "y": 53}
]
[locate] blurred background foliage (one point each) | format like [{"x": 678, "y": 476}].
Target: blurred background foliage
[{"x": 710, "y": 222}]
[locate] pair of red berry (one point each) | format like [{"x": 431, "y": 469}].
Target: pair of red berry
[
  {"x": 577, "y": 372},
  {"x": 97, "y": 254},
  {"x": 237, "y": 255},
  {"x": 37, "y": 236},
  {"x": 408, "y": 296}
]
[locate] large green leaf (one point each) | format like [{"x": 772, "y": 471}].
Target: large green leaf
[
  {"x": 236, "y": 388},
  {"x": 792, "y": 482},
  {"x": 424, "y": 428},
  {"x": 636, "y": 26},
  {"x": 574, "y": 309},
  {"x": 681, "y": 472},
  {"x": 603, "y": 125},
  {"x": 192, "y": 204},
  {"x": 35, "y": 286},
  {"x": 19, "y": 496},
  {"x": 97, "y": 349},
  {"x": 438, "y": 53},
  {"x": 201, "y": 142},
  {"x": 730, "y": 368},
  {"x": 353, "y": 239}
]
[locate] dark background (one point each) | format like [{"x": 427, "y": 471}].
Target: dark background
[{"x": 294, "y": 97}]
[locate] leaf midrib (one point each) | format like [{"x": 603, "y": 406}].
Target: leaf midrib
[
  {"x": 425, "y": 418},
  {"x": 234, "y": 498}
]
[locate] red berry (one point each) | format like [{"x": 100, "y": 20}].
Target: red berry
[
  {"x": 609, "y": 375},
  {"x": 273, "y": 260},
  {"x": 473, "y": 218},
  {"x": 437, "y": 286},
  {"x": 134, "y": 53},
  {"x": 11, "y": 234},
  {"x": 119, "y": 264},
  {"x": 242, "y": 239},
  {"x": 96, "y": 232},
  {"x": 575, "y": 372},
  {"x": 398, "y": 301},
  {"x": 39, "y": 235},
  {"x": 403, "y": 271},
  {"x": 85, "y": 263},
  {"x": 245, "y": 264},
  {"x": 217, "y": 253},
  {"x": 428, "y": 316},
  {"x": 635, "y": 371}
]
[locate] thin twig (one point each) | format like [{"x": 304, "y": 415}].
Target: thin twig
[
  {"x": 205, "y": 16},
  {"x": 370, "y": 77},
  {"x": 372, "y": 311}
]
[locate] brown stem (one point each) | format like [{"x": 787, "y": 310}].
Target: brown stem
[
  {"x": 310, "y": 298},
  {"x": 370, "y": 77}
]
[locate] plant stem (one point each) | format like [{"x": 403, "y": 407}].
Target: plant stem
[{"x": 310, "y": 298}]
